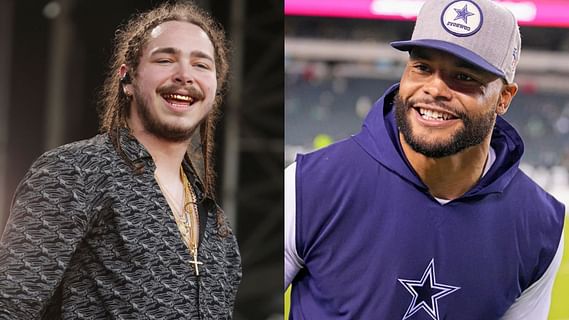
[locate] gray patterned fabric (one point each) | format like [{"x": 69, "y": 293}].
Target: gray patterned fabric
[{"x": 88, "y": 238}]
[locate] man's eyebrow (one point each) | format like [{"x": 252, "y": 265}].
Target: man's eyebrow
[
  {"x": 467, "y": 65},
  {"x": 175, "y": 51},
  {"x": 201, "y": 54},
  {"x": 419, "y": 54},
  {"x": 167, "y": 50},
  {"x": 459, "y": 63}
]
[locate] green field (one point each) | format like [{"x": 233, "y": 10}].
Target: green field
[{"x": 560, "y": 302}]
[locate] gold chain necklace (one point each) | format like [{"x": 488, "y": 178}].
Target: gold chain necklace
[
  {"x": 191, "y": 220},
  {"x": 187, "y": 218}
]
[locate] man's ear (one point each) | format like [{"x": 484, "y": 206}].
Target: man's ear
[
  {"x": 125, "y": 79},
  {"x": 506, "y": 95}
]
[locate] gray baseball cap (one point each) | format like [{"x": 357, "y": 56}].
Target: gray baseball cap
[{"x": 481, "y": 32}]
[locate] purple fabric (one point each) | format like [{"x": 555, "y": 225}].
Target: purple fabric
[{"x": 373, "y": 239}]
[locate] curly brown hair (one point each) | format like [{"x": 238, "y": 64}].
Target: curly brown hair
[{"x": 130, "y": 41}]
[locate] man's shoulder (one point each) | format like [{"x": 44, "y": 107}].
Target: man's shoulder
[
  {"x": 342, "y": 152},
  {"x": 76, "y": 153},
  {"x": 67, "y": 165},
  {"x": 343, "y": 168},
  {"x": 536, "y": 210},
  {"x": 530, "y": 192}
]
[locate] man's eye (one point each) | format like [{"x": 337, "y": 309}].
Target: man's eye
[
  {"x": 164, "y": 61},
  {"x": 464, "y": 77},
  {"x": 422, "y": 67},
  {"x": 202, "y": 66}
]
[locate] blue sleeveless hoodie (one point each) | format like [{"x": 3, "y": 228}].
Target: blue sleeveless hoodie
[{"x": 377, "y": 245}]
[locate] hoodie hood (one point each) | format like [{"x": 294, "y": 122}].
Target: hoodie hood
[{"x": 379, "y": 137}]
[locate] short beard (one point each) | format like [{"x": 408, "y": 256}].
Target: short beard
[
  {"x": 160, "y": 129},
  {"x": 474, "y": 131}
]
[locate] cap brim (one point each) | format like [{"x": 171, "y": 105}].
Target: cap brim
[{"x": 451, "y": 48}]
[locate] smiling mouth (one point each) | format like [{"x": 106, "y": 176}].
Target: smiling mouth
[
  {"x": 429, "y": 114},
  {"x": 179, "y": 99}
]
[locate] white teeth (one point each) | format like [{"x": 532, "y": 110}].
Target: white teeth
[{"x": 433, "y": 115}]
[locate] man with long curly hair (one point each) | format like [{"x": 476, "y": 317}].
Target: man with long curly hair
[{"x": 123, "y": 225}]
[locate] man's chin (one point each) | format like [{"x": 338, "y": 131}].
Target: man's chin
[
  {"x": 171, "y": 134},
  {"x": 435, "y": 152},
  {"x": 433, "y": 148}
]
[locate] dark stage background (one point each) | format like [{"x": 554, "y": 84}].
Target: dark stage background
[{"x": 53, "y": 57}]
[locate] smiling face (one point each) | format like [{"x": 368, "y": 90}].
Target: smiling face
[
  {"x": 446, "y": 105},
  {"x": 175, "y": 84}
]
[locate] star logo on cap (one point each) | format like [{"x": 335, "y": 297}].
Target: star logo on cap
[
  {"x": 462, "y": 18},
  {"x": 463, "y": 14},
  {"x": 426, "y": 293}
]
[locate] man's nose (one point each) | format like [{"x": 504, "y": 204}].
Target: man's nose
[
  {"x": 437, "y": 87},
  {"x": 184, "y": 74}
]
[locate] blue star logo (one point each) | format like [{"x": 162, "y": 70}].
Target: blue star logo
[
  {"x": 426, "y": 293},
  {"x": 463, "y": 14}
]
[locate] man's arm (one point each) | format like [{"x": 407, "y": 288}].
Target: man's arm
[
  {"x": 293, "y": 263},
  {"x": 533, "y": 304},
  {"x": 47, "y": 221}
]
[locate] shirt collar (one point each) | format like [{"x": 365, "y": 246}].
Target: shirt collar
[
  {"x": 133, "y": 149},
  {"x": 137, "y": 153}
]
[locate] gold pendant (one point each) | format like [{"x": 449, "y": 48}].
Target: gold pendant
[{"x": 195, "y": 261}]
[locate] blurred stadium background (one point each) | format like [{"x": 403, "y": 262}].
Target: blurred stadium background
[
  {"x": 53, "y": 57},
  {"x": 338, "y": 62}
]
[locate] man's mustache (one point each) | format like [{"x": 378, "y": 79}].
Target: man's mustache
[{"x": 190, "y": 90}]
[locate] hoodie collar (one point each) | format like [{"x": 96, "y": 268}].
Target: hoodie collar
[{"x": 379, "y": 137}]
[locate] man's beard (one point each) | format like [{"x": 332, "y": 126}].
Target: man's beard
[
  {"x": 475, "y": 129},
  {"x": 161, "y": 129}
]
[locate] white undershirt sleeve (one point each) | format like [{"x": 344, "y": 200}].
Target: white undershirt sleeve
[
  {"x": 533, "y": 303},
  {"x": 293, "y": 263}
]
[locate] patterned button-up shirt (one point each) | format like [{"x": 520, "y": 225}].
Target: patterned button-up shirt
[{"x": 88, "y": 238}]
